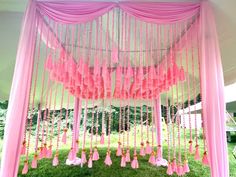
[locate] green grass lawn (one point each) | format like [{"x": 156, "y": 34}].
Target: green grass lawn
[
  {"x": 99, "y": 169},
  {"x": 45, "y": 168}
]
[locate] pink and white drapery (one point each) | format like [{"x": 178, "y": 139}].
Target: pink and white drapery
[{"x": 70, "y": 12}]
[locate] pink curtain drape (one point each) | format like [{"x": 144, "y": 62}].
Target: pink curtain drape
[
  {"x": 155, "y": 12},
  {"x": 165, "y": 13},
  {"x": 213, "y": 93},
  {"x": 19, "y": 95}
]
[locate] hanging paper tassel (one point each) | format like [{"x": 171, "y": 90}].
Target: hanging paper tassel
[
  {"x": 102, "y": 140},
  {"x": 169, "y": 169},
  {"x": 34, "y": 161},
  {"x": 26, "y": 167},
  {"x": 190, "y": 147},
  {"x": 108, "y": 161},
  {"x": 55, "y": 161},
  {"x": 148, "y": 149},
  {"x": 71, "y": 155},
  {"x": 90, "y": 162},
  {"x": 186, "y": 167},
  {"x": 174, "y": 165},
  {"x": 64, "y": 136},
  {"x": 49, "y": 152},
  {"x": 23, "y": 148},
  {"x": 142, "y": 152},
  {"x": 197, "y": 156},
  {"x": 152, "y": 158},
  {"x": 205, "y": 160},
  {"x": 127, "y": 156},
  {"x": 134, "y": 163},
  {"x": 180, "y": 170},
  {"x": 123, "y": 160},
  {"x": 44, "y": 151},
  {"x": 83, "y": 157},
  {"x": 119, "y": 151},
  {"x": 115, "y": 55},
  {"x": 41, "y": 153},
  {"x": 95, "y": 154}
]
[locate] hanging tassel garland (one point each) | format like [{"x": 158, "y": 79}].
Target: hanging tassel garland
[
  {"x": 197, "y": 155},
  {"x": 108, "y": 161},
  {"x": 95, "y": 154},
  {"x": 127, "y": 156},
  {"x": 25, "y": 168},
  {"x": 169, "y": 169},
  {"x": 152, "y": 158},
  {"x": 205, "y": 160},
  {"x": 34, "y": 161}
]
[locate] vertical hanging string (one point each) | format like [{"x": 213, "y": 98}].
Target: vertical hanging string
[
  {"x": 134, "y": 163},
  {"x": 205, "y": 160},
  {"x": 142, "y": 152},
  {"x": 185, "y": 166},
  {"x": 95, "y": 154},
  {"x": 159, "y": 54},
  {"x": 102, "y": 89},
  {"x": 54, "y": 108},
  {"x": 152, "y": 158},
  {"x": 174, "y": 166},
  {"x": 197, "y": 156},
  {"x": 148, "y": 148},
  {"x": 128, "y": 80},
  {"x": 168, "y": 116},
  {"x": 33, "y": 82},
  {"x": 43, "y": 151},
  {"x": 59, "y": 129},
  {"x": 90, "y": 162},
  {"x": 123, "y": 159},
  {"x": 188, "y": 88},
  {"x": 41, "y": 97}
]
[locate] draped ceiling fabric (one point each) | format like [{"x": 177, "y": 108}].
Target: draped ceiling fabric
[{"x": 71, "y": 12}]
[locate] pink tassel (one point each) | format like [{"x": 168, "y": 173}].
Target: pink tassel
[
  {"x": 108, "y": 161},
  {"x": 44, "y": 151},
  {"x": 102, "y": 139},
  {"x": 41, "y": 153},
  {"x": 64, "y": 136},
  {"x": 23, "y": 148},
  {"x": 127, "y": 156},
  {"x": 174, "y": 166},
  {"x": 49, "y": 152},
  {"x": 186, "y": 167},
  {"x": 197, "y": 156},
  {"x": 71, "y": 155},
  {"x": 83, "y": 157},
  {"x": 180, "y": 170},
  {"x": 95, "y": 154},
  {"x": 119, "y": 151},
  {"x": 152, "y": 158},
  {"x": 205, "y": 160},
  {"x": 169, "y": 169},
  {"x": 123, "y": 160},
  {"x": 90, "y": 162},
  {"x": 34, "y": 163},
  {"x": 190, "y": 147},
  {"x": 55, "y": 161},
  {"x": 134, "y": 163},
  {"x": 26, "y": 168},
  {"x": 142, "y": 152},
  {"x": 148, "y": 149}
]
